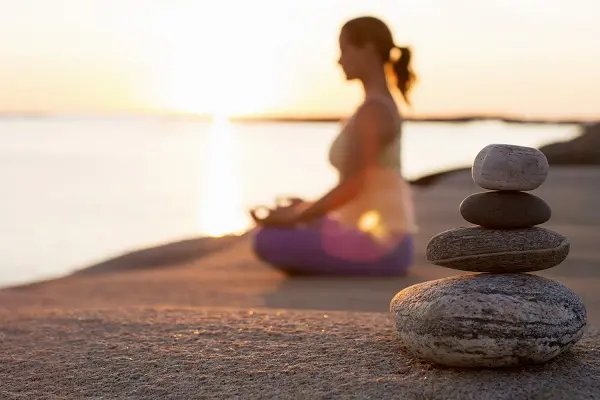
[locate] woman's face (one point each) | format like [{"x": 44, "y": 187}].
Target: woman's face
[{"x": 352, "y": 58}]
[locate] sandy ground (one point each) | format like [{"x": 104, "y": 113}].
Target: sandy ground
[
  {"x": 203, "y": 318},
  {"x": 213, "y": 353}
]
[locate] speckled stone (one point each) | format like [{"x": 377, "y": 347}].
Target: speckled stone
[
  {"x": 510, "y": 167},
  {"x": 488, "y": 320},
  {"x": 479, "y": 249},
  {"x": 505, "y": 210}
]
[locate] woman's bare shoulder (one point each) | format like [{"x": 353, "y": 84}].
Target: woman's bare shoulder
[{"x": 377, "y": 116}]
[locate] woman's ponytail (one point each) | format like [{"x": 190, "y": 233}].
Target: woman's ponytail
[{"x": 405, "y": 76}]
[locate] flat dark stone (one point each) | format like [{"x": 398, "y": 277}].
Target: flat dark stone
[
  {"x": 480, "y": 249},
  {"x": 505, "y": 210}
]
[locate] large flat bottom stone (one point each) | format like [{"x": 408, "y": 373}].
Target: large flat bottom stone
[{"x": 489, "y": 320}]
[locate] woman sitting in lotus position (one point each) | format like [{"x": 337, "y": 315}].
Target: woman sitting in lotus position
[{"x": 364, "y": 225}]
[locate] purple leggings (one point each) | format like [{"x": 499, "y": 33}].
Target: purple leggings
[{"x": 331, "y": 249}]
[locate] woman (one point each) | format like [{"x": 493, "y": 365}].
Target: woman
[{"x": 364, "y": 225}]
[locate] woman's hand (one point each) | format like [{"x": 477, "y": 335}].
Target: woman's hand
[
  {"x": 285, "y": 214},
  {"x": 278, "y": 217},
  {"x": 283, "y": 202}
]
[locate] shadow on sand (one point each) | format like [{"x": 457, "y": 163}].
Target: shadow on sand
[{"x": 362, "y": 294}]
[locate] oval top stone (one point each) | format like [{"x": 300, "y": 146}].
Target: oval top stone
[{"x": 510, "y": 167}]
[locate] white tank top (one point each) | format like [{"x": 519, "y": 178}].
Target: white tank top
[{"x": 384, "y": 206}]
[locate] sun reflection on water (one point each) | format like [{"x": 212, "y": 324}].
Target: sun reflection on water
[{"x": 220, "y": 200}]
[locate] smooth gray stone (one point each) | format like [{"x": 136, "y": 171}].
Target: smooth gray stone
[
  {"x": 480, "y": 249},
  {"x": 505, "y": 210},
  {"x": 488, "y": 320},
  {"x": 510, "y": 167}
]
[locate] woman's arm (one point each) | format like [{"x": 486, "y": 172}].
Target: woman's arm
[{"x": 373, "y": 128}]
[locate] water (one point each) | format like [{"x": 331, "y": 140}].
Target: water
[{"x": 79, "y": 190}]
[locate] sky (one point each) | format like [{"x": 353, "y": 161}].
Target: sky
[{"x": 531, "y": 58}]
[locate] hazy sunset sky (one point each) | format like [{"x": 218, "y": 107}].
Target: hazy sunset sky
[{"x": 537, "y": 58}]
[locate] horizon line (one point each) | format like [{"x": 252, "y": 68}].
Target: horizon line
[{"x": 452, "y": 118}]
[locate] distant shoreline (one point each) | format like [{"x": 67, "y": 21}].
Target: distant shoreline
[
  {"x": 434, "y": 119},
  {"x": 301, "y": 119}
]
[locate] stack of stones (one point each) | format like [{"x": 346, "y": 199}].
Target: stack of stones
[{"x": 501, "y": 316}]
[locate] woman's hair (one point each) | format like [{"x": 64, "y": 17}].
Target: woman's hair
[{"x": 370, "y": 30}]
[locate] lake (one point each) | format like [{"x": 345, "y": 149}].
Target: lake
[{"x": 77, "y": 190}]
